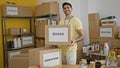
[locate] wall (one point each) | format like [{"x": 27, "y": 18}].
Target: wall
[
  {"x": 105, "y": 8},
  {"x": 16, "y": 23},
  {"x": 80, "y": 10}
]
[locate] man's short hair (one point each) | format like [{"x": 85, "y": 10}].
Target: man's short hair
[{"x": 66, "y": 3}]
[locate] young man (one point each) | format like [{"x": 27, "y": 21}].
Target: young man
[{"x": 70, "y": 51}]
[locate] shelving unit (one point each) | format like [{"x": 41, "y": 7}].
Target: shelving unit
[
  {"x": 95, "y": 56},
  {"x": 48, "y": 17},
  {"x": 5, "y": 36}
]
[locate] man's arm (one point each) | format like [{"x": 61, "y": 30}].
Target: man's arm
[
  {"x": 80, "y": 38},
  {"x": 81, "y": 35}
]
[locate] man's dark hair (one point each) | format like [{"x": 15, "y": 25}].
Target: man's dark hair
[{"x": 66, "y": 3}]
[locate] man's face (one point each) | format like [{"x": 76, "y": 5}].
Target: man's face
[{"x": 67, "y": 9}]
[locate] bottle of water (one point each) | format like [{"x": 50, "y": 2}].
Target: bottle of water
[{"x": 106, "y": 49}]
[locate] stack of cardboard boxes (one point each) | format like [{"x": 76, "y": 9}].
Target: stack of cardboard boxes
[
  {"x": 102, "y": 33},
  {"x": 43, "y": 9},
  {"x": 37, "y": 56},
  {"x": 47, "y": 8},
  {"x": 93, "y": 26}
]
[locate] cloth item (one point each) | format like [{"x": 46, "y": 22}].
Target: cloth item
[{"x": 70, "y": 58}]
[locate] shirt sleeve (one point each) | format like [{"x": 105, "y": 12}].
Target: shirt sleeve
[{"x": 79, "y": 24}]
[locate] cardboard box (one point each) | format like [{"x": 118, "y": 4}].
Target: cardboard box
[
  {"x": 32, "y": 57},
  {"x": 40, "y": 28},
  {"x": 13, "y": 53},
  {"x": 94, "y": 25},
  {"x": 63, "y": 66},
  {"x": 47, "y": 8},
  {"x": 94, "y": 40},
  {"x": 25, "y": 11},
  {"x": 108, "y": 23},
  {"x": 50, "y": 8},
  {"x": 40, "y": 43},
  {"x": 38, "y": 10},
  {"x": 45, "y": 57},
  {"x": 109, "y": 31},
  {"x": 93, "y": 31},
  {"x": 58, "y": 35},
  {"x": 20, "y": 61},
  {"x": 26, "y": 50},
  {"x": 94, "y": 17},
  {"x": 11, "y": 10},
  {"x": 27, "y": 41},
  {"x": 113, "y": 42},
  {"x": 14, "y": 31},
  {"x": 49, "y": 58}
]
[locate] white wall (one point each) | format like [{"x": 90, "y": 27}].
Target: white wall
[
  {"x": 80, "y": 10},
  {"x": 105, "y": 8}
]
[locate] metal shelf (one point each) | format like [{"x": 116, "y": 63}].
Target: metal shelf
[
  {"x": 5, "y": 35},
  {"x": 17, "y": 17},
  {"x": 24, "y": 34},
  {"x": 11, "y": 49},
  {"x": 40, "y": 37},
  {"x": 46, "y": 16}
]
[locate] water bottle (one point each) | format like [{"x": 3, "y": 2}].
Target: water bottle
[{"x": 106, "y": 49}]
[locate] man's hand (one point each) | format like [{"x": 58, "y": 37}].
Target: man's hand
[{"x": 73, "y": 42}]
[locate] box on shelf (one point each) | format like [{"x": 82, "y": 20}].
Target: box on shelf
[
  {"x": 38, "y": 10},
  {"x": 40, "y": 43},
  {"x": 12, "y": 10},
  {"x": 26, "y": 50},
  {"x": 58, "y": 35},
  {"x": 27, "y": 41},
  {"x": 13, "y": 53},
  {"x": 45, "y": 57},
  {"x": 109, "y": 31},
  {"x": 19, "y": 61},
  {"x": 40, "y": 28},
  {"x": 25, "y": 11},
  {"x": 14, "y": 31},
  {"x": 47, "y": 8}
]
